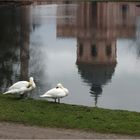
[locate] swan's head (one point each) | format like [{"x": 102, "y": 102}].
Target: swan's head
[
  {"x": 59, "y": 85},
  {"x": 32, "y": 83}
]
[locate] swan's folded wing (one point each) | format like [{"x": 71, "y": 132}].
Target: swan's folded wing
[
  {"x": 55, "y": 92},
  {"x": 13, "y": 91},
  {"x": 19, "y": 85},
  {"x": 46, "y": 96}
]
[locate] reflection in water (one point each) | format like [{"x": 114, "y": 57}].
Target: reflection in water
[
  {"x": 96, "y": 55},
  {"x": 96, "y": 76},
  {"x": 24, "y": 43},
  {"x": 15, "y": 46},
  {"x": 8, "y": 45},
  {"x": 138, "y": 37},
  {"x": 96, "y": 91},
  {"x": 42, "y": 40}
]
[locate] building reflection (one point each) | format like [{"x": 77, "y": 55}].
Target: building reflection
[
  {"x": 97, "y": 26},
  {"x": 96, "y": 53},
  {"x": 67, "y": 26}
]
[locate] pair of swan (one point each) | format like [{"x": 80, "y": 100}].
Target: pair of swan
[{"x": 22, "y": 87}]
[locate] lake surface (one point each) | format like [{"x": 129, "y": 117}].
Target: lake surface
[{"x": 92, "y": 48}]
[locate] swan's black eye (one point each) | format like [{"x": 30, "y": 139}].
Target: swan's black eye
[{"x": 57, "y": 87}]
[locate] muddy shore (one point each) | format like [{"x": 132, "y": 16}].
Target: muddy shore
[{"x": 20, "y": 131}]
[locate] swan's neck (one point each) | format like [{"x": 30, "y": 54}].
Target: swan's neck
[
  {"x": 32, "y": 84},
  {"x": 66, "y": 91}
]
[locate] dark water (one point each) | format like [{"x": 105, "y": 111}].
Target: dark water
[{"x": 92, "y": 48}]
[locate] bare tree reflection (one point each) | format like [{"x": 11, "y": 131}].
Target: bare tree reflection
[
  {"x": 24, "y": 44},
  {"x": 9, "y": 47},
  {"x": 14, "y": 25}
]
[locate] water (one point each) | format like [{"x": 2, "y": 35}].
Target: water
[{"x": 92, "y": 48}]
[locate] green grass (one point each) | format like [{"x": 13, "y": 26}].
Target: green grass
[{"x": 47, "y": 114}]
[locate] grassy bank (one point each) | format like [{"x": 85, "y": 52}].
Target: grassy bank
[{"x": 46, "y": 114}]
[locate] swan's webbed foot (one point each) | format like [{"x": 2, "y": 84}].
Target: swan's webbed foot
[
  {"x": 58, "y": 100},
  {"x": 24, "y": 96},
  {"x": 55, "y": 100}
]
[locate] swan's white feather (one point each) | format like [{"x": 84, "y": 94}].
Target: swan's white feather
[
  {"x": 58, "y": 92},
  {"x": 20, "y": 91},
  {"x": 19, "y": 84},
  {"x": 54, "y": 93}
]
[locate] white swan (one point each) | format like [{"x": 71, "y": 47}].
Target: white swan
[
  {"x": 21, "y": 87},
  {"x": 56, "y": 93}
]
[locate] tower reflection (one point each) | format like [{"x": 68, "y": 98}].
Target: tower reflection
[
  {"x": 96, "y": 76},
  {"x": 96, "y": 53}
]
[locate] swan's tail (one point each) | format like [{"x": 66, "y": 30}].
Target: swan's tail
[
  {"x": 12, "y": 91},
  {"x": 7, "y": 92},
  {"x": 43, "y": 96}
]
